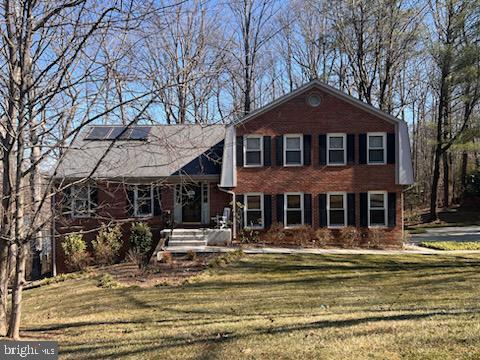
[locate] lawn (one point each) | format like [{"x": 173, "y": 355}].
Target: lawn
[
  {"x": 451, "y": 245},
  {"x": 274, "y": 307}
]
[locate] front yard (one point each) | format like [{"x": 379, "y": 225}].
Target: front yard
[{"x": 274, "y": 307}]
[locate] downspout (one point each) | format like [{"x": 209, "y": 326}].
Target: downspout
[
  {"x": 234, "y": 215},
  {"x": 53, "y": 242}
]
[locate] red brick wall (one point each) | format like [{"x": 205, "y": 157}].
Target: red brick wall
[{"x": 332, "y": 116}]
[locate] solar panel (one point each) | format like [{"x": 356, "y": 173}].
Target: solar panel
[
  {"x": 117, "y": 130},
  {"x": 98, "y": 132},
  {"x": 140, "y": 133}
]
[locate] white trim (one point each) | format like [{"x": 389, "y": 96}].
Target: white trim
[
  {"x": 292, "y": 136},
  {"x": 89, "y": 201},
  {"x": 385, "y": 208},
  {"x": 344, "y": 194},
  {"x": 135, "y": 201},
  {"x": 344, "y": 136},
  {"x": 384, "y": 138},
  {"x": 285, "y": 209},
  {"x": 245, "y": 137},
  {"x": 245, "y": 210}
]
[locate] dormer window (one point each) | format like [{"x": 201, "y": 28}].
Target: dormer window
[{"x": 253, "y": 150}]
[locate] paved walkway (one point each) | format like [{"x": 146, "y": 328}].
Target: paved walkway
[
  {"x": 465, "y": 233},
  {"x": 409, "y": 249}
]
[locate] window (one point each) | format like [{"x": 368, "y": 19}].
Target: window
[
  {"x": 293, "y": 150},
  {"x": 254, "y": 211},
  {"x": 142, "y": 200},
  {"x": 82, "y": 202},
  {"x": 336, "y": 209},
  {"x": 314, "y": 100},
  {"x": 377, "y": 209},
  {"x": 336, "y": 149},
  {"x": 293, "y": 209},
  {"x": 253, "y": 150},
  {"x": 376, "y": 148}
]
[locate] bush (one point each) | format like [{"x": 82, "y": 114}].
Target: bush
[
  {"x": 249, "y": 236},
  {"x": 472, "y": 187},
  {"x": 275, "y": 234},
  {"x": 375, "y": 237},
  {"x": 167, "y": 257},
  {"x": 191, "y": 255},
  {"x": 305, "y": 236},
  {"x": 75, "y": 250},
  {"x": 106, "y": 246},
  {"x": 350, "y": 236},
  {"x": 141, "y": 240},
  {"x": 221, "y": 261},
  {"x": 323, "y": 237},
  {"x": 108, "y": 282}
]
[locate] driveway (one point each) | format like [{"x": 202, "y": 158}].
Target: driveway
[{"x": 464, "y": 233}]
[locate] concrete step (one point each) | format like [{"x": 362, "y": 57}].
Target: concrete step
[
  {"x": 188, "y": 232},
  {"x": 173, "y": 243},
  {"x": 186, "y": 237}
]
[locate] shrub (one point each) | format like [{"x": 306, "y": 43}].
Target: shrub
[
  {"x": 141, "y": 240},
  {"x": 135, "y": 257},
  {"x": 167, "y": 257},
  {"x": 275, "y": 234},
  {"x": 323, "y": 237},
  {"x": 108, "y": 282},
  {"x": 107, "y": 244},
  {"x": 221, "y": 261},
  {"x": 305, "y": 236},
  {"x": 375, "y": 237},
  {"x": 473, "y": 184},
  {"x": 350, "y": 236},
  {"x": 191, "y": 255},
  {"x": 249, "y": 236},
  {"x": 75, "y": 250}
]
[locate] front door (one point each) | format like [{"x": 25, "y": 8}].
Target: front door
[{"x": 191, "y": 198}]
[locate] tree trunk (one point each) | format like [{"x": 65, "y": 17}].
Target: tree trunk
[
  {"x": 446, "y": 180},
  {"x": 14, "y": 328},
  {"x": 435, "y": 178},
  {"x": 4, "y": 270}
]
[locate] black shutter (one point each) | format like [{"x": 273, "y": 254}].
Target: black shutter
[
  {"x": 392, "y": 209},
  {"x": 157, "y": 200},
  {"x": 363, "y": 209},
  {"x": 351, "y": 148},
  {"x": 279, "y": 150},
  {"x": 390, "y": 148},
  {"x": 240, "y": 199},
  {"x": 307, "y": 209},
  {"x": 267, "y": 151},
  {"x": 239, "y": 150},
  {"x": 351, "y": 209},
  {"x": 267, "y": 208},
  {"x": 279, "y": 201},
  {"x": 362, "y": 145},
  {"x": 322, "y": 149},
  {"x": 94, "y": 198},
  {"x": 130, "y": 201},
  {"x": 322, "y": 210},
  {"x": 307, "y": 149}
]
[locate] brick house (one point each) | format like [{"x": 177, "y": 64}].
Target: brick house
[{"x": 315, "y": 156}]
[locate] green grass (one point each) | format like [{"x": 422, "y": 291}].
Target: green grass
[
  {"x": 451, "y": 245},
  {"x": 273, "y": 307}
]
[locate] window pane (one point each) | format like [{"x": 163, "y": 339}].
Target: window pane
[
  {"x": 336, "y": 201},
  {"x": 253, "y": 143},
  {"x": 293, "y": 157},
  {"x": 336, "y": 142},
  {"x": 376, "y": 201},
  {"x": 254, "y": 218},
  {"x": 293, "y": 143},
  {"x": 377, "y": 217},
  {"x": 375, "y": 141},
  {"x": 80, "y": 192},
  {"x": 144, "y": 207},
  {"x": 144, "y": 192},
  {"x": 337, "y": 217},
  {"x": 253, "y": 202},
  {"x": 253, "y": 158},
  {"x": 80, "y": 207},
  {"x": 293, "y": 202},
  {"x": 294, "y": 217},
  {"x": 336, "y": 156},
  {"x": 375, "y": 156}
]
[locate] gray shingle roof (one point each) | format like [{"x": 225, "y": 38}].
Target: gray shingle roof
[{"x": 168, "y": 148}]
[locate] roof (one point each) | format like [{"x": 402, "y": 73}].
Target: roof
[{"x": 168, "y": 149}]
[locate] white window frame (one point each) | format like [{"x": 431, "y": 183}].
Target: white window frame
[
  {"x": 286, "y": 209},
  {"x": 135, "y": 201},
  {"x": 385, "y": 208},
  {"x": 344, "y": 194},
  {"x": 344, "y": 136},
  {"x": 289, "y": 136},
  {"x": 245, "y": 150},
  {"x": 89, "y": 201},
  {"x": 384, "y": 147},
  {"x": 245, "y": 210}
]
